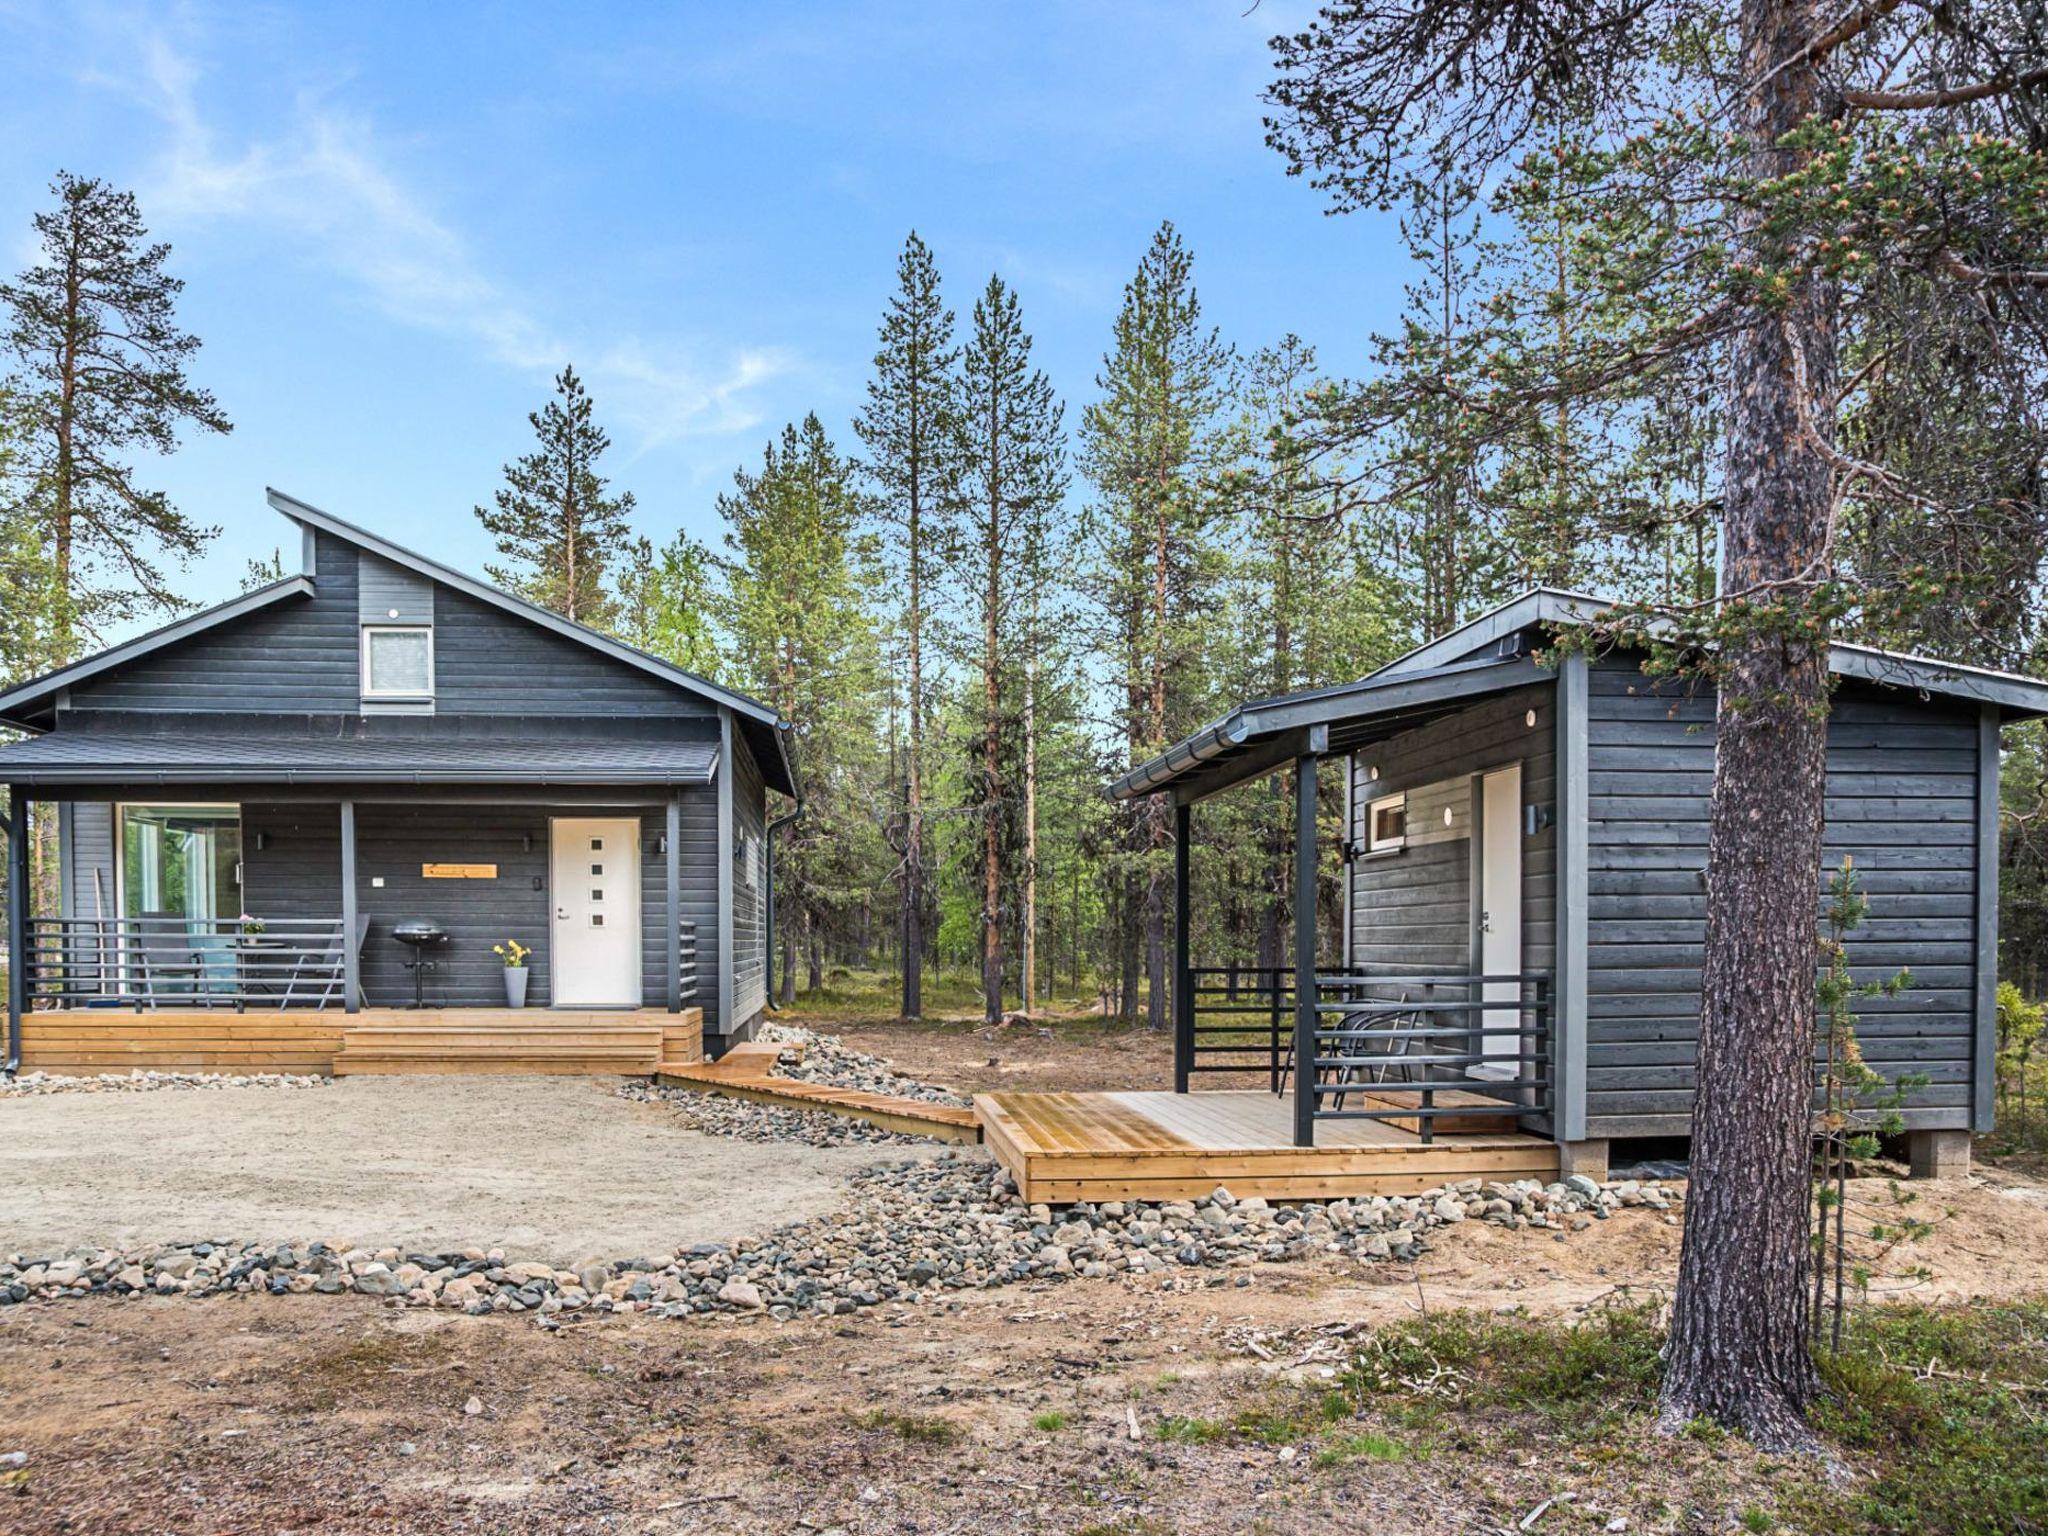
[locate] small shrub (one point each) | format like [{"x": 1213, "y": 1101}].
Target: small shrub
[{"x": 1051, "y": 1423}]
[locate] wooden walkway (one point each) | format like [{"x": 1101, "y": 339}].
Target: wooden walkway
[
  {"x": 1065, "y": 1147},
  {"x": 86, "y": 1041},
  {"x": 746, "y": 1072}
]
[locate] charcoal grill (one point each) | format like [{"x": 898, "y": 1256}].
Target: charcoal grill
[{"x": 422, "y": 938}]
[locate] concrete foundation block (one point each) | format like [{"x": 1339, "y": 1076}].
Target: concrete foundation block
[
  {"x": 1586, "y": 1157},
  {"x": 1938, "y": 1154}
]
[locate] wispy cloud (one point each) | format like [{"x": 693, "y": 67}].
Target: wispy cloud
[{"x": 324, "y": 185}]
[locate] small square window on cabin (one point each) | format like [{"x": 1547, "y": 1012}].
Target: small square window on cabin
[
  {"x": 1387, "y": 824},
  {"x": 398, "y": 662}
]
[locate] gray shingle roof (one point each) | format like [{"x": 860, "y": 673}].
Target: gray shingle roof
[{"x": 199, "y": 757}]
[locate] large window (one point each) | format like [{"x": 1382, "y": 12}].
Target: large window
[
  {"x": 398, "y": 661},
  {"x": 181, "y": 861}
]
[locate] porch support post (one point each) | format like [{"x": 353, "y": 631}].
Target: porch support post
[
  {"x": 672, "y": 842},
  {"x": 1183, "y": 976},
  {"x": 1305, "y": 936},
  {"x": 19, "y": 897},
  {"x": 351, "y": 956}
]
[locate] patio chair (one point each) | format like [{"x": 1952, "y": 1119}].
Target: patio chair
[
  {"x": 170, "y": 965},
  {"x": 321, "y": 973},
  {"x": 1372, "y": 1055}
]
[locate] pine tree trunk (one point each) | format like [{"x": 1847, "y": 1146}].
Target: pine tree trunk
[
  {"x": 913, "y": 831},
  {"x": 1158, "y": 824},
  {"x": 1028, "y": 981},
  {"x": 991, "y": 747},
  {"x": 1738, "y": 1350}
]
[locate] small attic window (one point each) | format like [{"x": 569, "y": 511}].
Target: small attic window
[{"x": 398, "y": 661}]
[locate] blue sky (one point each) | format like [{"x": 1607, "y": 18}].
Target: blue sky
[{"x": 396, "y": 222}]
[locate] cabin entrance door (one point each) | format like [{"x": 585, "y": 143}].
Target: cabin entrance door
[
  {"x": 594, "y": 872},
  {"x": 1500, "y": 915}
]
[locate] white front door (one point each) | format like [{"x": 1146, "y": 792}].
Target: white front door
[
  {"x": 1500, "y": 903},
  {"x": 595, "y": 880}
]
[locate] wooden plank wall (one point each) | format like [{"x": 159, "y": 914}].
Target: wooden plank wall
[
  {"x": 1902, "y": 800},
  {"x": 1411, "y": 911}
]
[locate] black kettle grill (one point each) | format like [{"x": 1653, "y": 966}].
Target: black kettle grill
[{"x": 420, "y": 936}]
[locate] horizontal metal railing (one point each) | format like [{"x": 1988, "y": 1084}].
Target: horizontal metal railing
[
  {"x": 1395, "y": 1043},
  {"x": 686, "y": 960},
  {"x": 1243, "y": 1019},
  {"x": 182, "y": 962}
]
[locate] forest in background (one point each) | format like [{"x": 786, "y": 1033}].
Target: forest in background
[{"x": 994, "y": 591}]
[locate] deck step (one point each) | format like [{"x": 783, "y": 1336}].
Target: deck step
[{"x": 579, "y": 1044}]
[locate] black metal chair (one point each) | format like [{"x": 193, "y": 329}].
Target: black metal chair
[{"x": 1369, "y": 1049}]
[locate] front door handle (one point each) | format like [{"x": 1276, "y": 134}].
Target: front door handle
[{"x": 562, "y": 912}]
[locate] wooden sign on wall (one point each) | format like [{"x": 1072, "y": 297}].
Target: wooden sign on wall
[{"x": 459, "y": 871}]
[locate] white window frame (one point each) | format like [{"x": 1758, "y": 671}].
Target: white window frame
[
  {"x": 1374, "y": 843},
  {"x": 121, "y": 809},
  {"x": 405, "y": 695}
]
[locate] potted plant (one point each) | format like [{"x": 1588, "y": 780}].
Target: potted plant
[{"x": 514, "y": 954}]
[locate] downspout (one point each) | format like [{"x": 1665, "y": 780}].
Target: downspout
[{"x": 768, "y": 922}]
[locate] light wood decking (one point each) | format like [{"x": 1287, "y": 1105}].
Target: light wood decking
[
  {"x": 1064, "y": 1147},
  {"x": 744, "y": 1072},
  {"x": 85, "y": 1041}
]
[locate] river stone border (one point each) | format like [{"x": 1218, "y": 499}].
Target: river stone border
[
  {"x": 34, "y": 1084},
  {"x": 908, "y": 1233}
]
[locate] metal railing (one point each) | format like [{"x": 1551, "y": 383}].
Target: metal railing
[
  {"x": 686, "y": 959},
  {"x": 1243, "y": 1019},
  {"x": 185, "y": 962},
  {"x": 1399, "y": 1045}
]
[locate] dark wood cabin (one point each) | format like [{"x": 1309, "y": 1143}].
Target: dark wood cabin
[
  {"x": 253, "y": 801},
  {"x": 1524, "y": 887}
]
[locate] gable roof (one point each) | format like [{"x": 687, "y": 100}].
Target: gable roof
[
  {"x": 1485, "y": 655},
  {"x": 766, "y": 735}
]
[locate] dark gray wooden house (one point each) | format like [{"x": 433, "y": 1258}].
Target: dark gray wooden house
[
  {"x": 1524, "y": 887},
  {"x": 303, "y": 811}
]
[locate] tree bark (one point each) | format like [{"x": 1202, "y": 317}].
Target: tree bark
[
  {"x": 1738, "y": 1349},
  {"x": 913, "y": 829},
  {"x": 1028, "y": 979}
]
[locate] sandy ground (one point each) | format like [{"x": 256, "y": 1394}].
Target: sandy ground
[
  {"x": 337, "y": 1414},
  {"x": 558, "y": 1169},
  {"x": 1066, "y": 1056}
]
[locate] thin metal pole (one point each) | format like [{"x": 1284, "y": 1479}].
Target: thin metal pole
[
  {"x": 351, "y": 956},
  {"x": 18, "y": 899},
  {"x": 1305, "y": 950},
  {"x": 672, "y": 854},
  {"x": 1183, "y": 977}
]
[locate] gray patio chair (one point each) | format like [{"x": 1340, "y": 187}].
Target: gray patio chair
[
  {"x": 170, "y": 965},
  {"x": 321, "y": 973}
]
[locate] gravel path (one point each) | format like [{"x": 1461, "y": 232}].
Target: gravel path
[{"x": 554, "y": 1168}]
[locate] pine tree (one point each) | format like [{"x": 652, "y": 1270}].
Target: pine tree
[
  {"x": 93, "y": 329},
  {"x": 1013, "y": 470},
  {"x": 1149, "y": 445},
  {"x": 910, "y": 427},
  {"x": 796, "y": 609},
  {"x": 555, "y": 524},
  {"x": 664, "y": 602}
]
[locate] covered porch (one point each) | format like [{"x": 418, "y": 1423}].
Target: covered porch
[
  {"x": 231, "y": 926},
  {"x": 1425, "y": 1056}
]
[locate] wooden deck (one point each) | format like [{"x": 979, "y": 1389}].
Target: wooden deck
[
  {"x": 86, "y": 1041},
  {"x": 1066, "y": 1147},
  {"x": 744, "y": 1072}
]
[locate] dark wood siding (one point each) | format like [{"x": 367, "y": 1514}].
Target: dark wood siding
[
  {"x": 700, "y": 901},
  {"x": 298, "y": 657},
  {"x": 1902, "y": 786},
  {"x": 298, "y": 872},
  {"x": 490, "y": 662},
  {"x": 1411, "y": 912}
]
